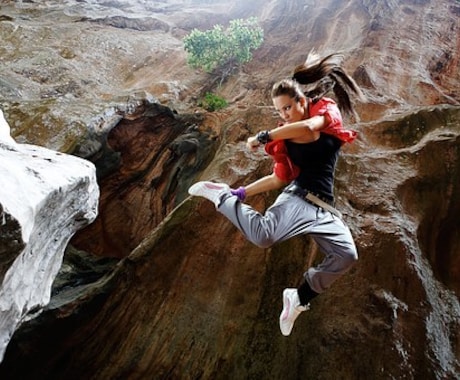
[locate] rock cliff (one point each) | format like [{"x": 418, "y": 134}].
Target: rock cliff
[
  {"x": 189, "y": 297},
  {"x": 45, "y": 196}
]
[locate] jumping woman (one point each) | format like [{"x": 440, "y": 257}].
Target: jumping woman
[{"x": 305, "y": 149}]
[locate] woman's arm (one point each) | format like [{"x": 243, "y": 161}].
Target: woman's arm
[
  {"x": 303, "y": 131},
  {"x": 267, "y": 183}
]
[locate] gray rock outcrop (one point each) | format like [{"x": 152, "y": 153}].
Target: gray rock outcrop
[
  {"x": 189, "y": 297},
  {"x": 45, "y": 197}
]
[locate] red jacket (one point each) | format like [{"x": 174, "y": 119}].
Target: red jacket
[{"x": 328, "y": 108}]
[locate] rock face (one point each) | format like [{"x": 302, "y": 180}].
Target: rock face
[
  {"x": 45, "y": 197},
  {"x": 191, "y": 299},
  {"x": 158, "y": 153}
]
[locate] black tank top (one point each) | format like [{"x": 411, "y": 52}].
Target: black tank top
[{"x": 316, "y": 161}]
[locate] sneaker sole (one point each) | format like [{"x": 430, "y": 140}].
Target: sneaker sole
[{"x": 195, "y": 189}]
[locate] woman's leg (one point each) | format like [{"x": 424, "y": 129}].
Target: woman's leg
[
  {"x": 335, "y": 241},
  {"x": 287, "y": 217}
]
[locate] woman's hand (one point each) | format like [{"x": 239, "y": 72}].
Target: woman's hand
[{"x": 252, "y": 143}]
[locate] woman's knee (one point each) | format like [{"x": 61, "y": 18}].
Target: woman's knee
[
  {"x": 262, "y": 236},
  {"x": 349, "y": 257},
  {"x": 263, "y": 241}
]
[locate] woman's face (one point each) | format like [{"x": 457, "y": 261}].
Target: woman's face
[{"x": 289, "y": 109}]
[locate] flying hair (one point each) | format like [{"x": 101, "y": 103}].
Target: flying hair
[{"x": 327, "y": 74}]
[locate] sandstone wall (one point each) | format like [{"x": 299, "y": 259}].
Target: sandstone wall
[{"x": 191, "y": 298}]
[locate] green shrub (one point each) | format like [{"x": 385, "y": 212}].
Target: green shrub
[
  {"x": 212, "y": 102},
  {"x": 217, "y": 47}
]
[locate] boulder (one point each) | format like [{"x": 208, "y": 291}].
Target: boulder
[{"x": 45, "y": 197}]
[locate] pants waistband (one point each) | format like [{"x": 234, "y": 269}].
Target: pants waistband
[
  {"x": 293, "y": 188},
  {"x": 312, "y": 198}
]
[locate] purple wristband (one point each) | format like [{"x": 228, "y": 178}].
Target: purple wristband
[{"x": 240, "y": 193}]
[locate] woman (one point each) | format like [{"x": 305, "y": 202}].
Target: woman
[{"x": 305, "y": 149}]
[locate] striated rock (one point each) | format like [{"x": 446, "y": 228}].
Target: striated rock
[
  {"x": 191, "y": 299},
  {"x": 148, "y": 162},
  {"x": 196, "y": 300},
  {"x": 5, "y": 131},
  {"x": 45, "y": 196}
]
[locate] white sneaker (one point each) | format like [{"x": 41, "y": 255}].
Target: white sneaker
[
  {"x": 209, "y": 190},
  {"x": 291, "y": 310}
]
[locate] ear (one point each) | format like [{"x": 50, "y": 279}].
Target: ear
[{"x": 303, "y": 101}]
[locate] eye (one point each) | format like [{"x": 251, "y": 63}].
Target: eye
[{"x": 284, "y": 109}]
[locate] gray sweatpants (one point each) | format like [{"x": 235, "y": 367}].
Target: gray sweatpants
[{"x": 289, "y": 216}]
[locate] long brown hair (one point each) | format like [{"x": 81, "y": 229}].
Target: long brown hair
[{"x": 328, "y": 74}]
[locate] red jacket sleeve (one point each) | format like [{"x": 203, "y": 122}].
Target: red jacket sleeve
[{"x": 328, "y": 108}]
